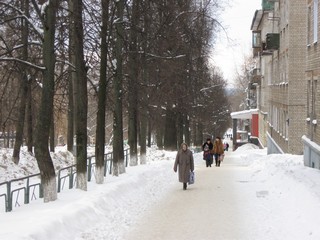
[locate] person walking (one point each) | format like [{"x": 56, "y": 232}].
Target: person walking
[
  {"x": 218, "y": 151},
  {"x": 207, "y": 152},
  {"x": 184, "y": 163}
]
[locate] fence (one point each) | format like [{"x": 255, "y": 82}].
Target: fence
[{"x": 31, "y": 188}]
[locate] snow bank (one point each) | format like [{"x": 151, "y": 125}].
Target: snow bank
[{"x": 28, "y": 164}]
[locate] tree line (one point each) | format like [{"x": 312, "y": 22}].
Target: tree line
[{"x": 116, "y": 70}]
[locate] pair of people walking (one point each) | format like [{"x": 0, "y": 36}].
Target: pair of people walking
[{"x": 211, "y": 150}]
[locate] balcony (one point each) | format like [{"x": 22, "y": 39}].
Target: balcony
[
  {"x": 272, "y": 41},
  {"x": 255, "y": 76}
]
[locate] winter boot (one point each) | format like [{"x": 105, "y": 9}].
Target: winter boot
[{"x": 184, "y": 186}]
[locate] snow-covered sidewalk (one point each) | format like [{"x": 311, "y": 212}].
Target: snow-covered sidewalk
[
  {"x": 212, "y": 208},
  {"x": 251, "y": 196},
  {"x": 236, "y": 201}
]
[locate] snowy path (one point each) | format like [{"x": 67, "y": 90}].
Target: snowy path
[
  {"x": 251, "y": 196},
  {"x": 210, "y": 209}
]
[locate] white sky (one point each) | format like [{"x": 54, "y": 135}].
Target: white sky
[
  {"x": 251, "y": 196},
  {"x": 237, "y": 20}
]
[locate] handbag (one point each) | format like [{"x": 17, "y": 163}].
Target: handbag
[
  {"x": 221, "y": 157},
  {"x": 206, "y": 155},
  {"x": 191, "y": 178}
]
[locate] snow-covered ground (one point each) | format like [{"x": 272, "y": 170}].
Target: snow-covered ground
[{"x": 282, "y": 199}]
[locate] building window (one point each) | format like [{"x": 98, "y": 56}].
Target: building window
[
  {"x": 309, "y": 99},
  {"x": 282, "y": 119},
  {"x": 314, "y": 99},
  {"x": 256, "y": 39},
  {"x": 275, "y": 119},
  {"x": 309, "y": 26},
  {"x": 315, "y": 21},
  {"x": 269, "y": 75},
  {"x": 287, "y": 124},
  {"x": 278, "y": 120}
]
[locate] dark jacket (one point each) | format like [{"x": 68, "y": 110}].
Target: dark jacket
[{"x": 210, "y": 146}]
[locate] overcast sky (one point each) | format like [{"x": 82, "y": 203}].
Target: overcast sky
[{"x": 228, "y": 55}]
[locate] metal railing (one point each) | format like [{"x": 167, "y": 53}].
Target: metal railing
[
  {"x": 29, "y": 191},
  {"x": 32, "y": 189}
]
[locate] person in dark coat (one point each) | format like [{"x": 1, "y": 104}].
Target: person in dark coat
[
  {"x": 184, "y": 164},
  {"x": 227, "y": 146},
  {"x": 207, "y": 152}
]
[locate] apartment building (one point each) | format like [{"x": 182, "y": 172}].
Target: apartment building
[
  {"x": 279, "y": 47},
  {"x": 311, "y": 140}
]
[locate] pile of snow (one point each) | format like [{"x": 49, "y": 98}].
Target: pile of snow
[
  {"x": 246, "y": 147},
  {"x": 28, "y": 164},
  {"x": 284, "y": 167},
  {"x": 249, "y": 152}
]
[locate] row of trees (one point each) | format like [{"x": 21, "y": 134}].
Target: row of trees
[{"x": 145, "y": 63}]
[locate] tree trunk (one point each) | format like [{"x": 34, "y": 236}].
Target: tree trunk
[
  {"x": 149, "y": 132},
  {"x": 80, "y": 97},
  {"x": 20, "y": 121},
  {"x": 170, "y": 132},
  {"x": 70, "y": 130},
  {"x": 143, "y": 134},
  {"x": 24, "y": 86},
  {"x": 29, "y": 119},
  {"x": 51, "y": 138},
  {"x": 144, "y": 100},
  {"x": 186, "y": 130},
  {"x": 179, "y": 129},
  {"x": 71, "y": 80},
  {"x": 199, "y": 134},
  {"x": 118, "y": 155},
  {"x": 7, "y": 137},
  {"x": 101, "y": 114},
  {"x": 159, "y": 137},
  {"x": 45, "y": 117},
  {"x": 133, "y": 85}
]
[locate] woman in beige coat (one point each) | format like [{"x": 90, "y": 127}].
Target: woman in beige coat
[
  {"x": 218, "y": 150},
  {"x": 184, "y": 160}
]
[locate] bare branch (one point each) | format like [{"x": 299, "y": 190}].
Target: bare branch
[
  {"x": 37, "y": 30},
  {"x": 23, "y": 62}
]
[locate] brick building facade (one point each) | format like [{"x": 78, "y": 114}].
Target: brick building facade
[
  {"x": 281, "y": 60},
  {"x": 312, "y": 75}
]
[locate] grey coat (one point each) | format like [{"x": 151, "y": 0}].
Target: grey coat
[{"x": 184, "y": 160}]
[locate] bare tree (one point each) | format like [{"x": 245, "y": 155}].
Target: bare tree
[
  {"x": 143, "y": 101},
  {"x": 80, "y": 99},
  {"x": 45, "y": 116},
  {"x": 101, "y": 114},
  {"x": 118, "y": 155},
  {"x": 24, "y": 85},
  {"x": 133, "y": 83}
]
